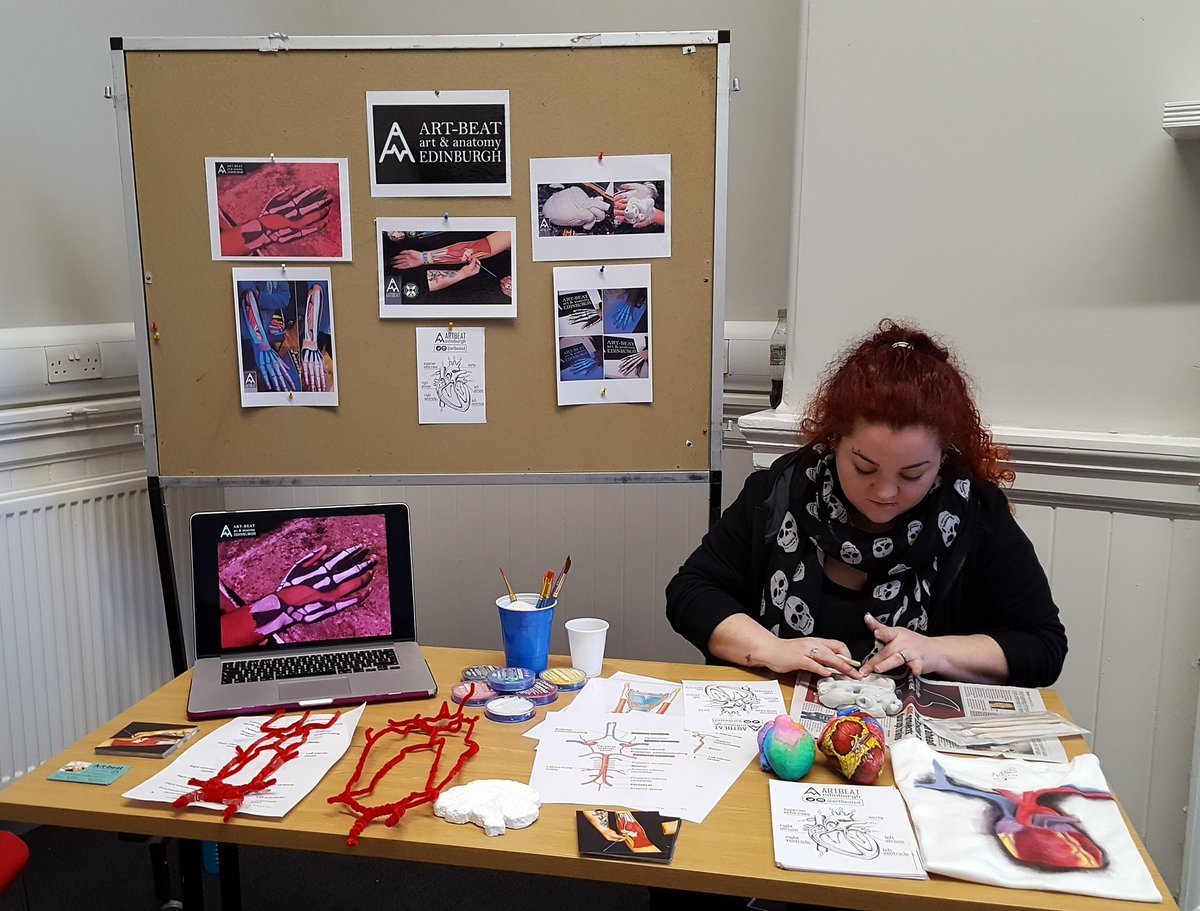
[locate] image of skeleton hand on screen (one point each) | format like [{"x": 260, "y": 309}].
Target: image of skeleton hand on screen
[{"x": 308, "y": 579}]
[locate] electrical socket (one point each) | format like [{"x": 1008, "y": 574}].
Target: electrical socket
[{"x": 65, "y": 363}]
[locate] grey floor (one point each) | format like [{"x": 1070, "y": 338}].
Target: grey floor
[{"x": 96, "y": 871}]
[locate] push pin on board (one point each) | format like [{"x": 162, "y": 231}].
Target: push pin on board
[
  {"x": 450, "y": 326},
  {"x": 154, "y": 329},
  {"x": 283, "y": 268},
  {"x": 601, "y": 270},
  {"x": 603, "y": 392},
  {"x": 292, "y": 395},
  {"x": 600, "y": 157},
  {"x": 272, "y": 158}
]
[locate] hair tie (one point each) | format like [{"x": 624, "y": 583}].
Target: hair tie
[{"x": 901, "y": 345}]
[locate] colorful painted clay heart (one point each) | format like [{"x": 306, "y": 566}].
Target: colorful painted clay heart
[
  {"x": 854, "y": 741},
  {"x": 786, "y": 749}
]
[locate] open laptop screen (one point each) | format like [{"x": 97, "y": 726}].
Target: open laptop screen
[{"x": 301, "y": 577}]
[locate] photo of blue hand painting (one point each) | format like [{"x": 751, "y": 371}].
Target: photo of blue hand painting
[{"x": 625, "y": 310}]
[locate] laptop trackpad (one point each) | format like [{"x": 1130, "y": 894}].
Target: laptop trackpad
[{"x": 306, "y": 690}]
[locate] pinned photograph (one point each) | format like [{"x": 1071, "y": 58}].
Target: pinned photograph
[
  {"x": 601, "y": 208},
  {"x": 285, "y": 330},
  {"x": 451, "y": 376},
  {"x": 433, "y": 143},
  {"x": 446, "y": 268},
  {"x": 278, "y": 208},
  {"x": 626, "y": 357},
  {"x": 580, "y": 358},
  {"x": 602, "y": 331}
]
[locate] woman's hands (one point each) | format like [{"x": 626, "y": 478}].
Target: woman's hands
[
  {"x": 739, "y": 639},
  {"x": 976, "y": 658},
  {"x": 901, "y": 646},
  {"x": 823, "y": 657}
]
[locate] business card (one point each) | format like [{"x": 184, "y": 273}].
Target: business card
[{"x": 90, "y": 772}]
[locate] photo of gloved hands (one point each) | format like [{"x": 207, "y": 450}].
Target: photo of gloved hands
[
  {"x": 285, "y": 587},
  {"x": 428, "y": 270},
  {"x": 315, "y": 588},
  {"x": 626, "y": 310},
  {"x": 604, "y": 333},
  {"x": 580, "y": 358},
  {"x": 286, "y": 217},
  {"x": 591, "y": 208},
  {"x": 264, "y": 208},
  {"x": 286, "y": 333}
]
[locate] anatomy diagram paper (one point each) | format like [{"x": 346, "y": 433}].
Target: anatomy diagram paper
[
  {"x": 843, "y": 829},
  {"x": 727, "y": 707},
  {"x": 642, "y": 761},
  {"x": 451, "y": 387},
  {"x": 620, "y": 693}
]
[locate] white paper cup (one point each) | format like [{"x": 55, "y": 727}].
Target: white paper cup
[{"x": 586, "y": 636}]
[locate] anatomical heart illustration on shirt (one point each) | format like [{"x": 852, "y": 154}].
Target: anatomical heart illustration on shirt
[{"x": 1019, "y": 824}]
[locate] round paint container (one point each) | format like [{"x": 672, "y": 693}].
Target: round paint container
[
  {"x": 541, "y": 693},
  {"x": 566, "y": 679},
  {"x": 479, "y": 696},
  {"x": 478, "y": 672},
  {"x": 509, "y": 709},
  {"x": 510, "y": 679}
]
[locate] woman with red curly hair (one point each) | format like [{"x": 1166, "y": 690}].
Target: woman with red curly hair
[{"x": 884, "y": 540}]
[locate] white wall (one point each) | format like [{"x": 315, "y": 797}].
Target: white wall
[
  {"x": 64, "y": 258},
  {"x": 998, "y": 171}
]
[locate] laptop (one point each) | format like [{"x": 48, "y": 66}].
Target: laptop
[{"x": 303, "y": 608}]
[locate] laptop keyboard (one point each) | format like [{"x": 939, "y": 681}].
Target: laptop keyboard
[{"x": 291, "y": 666}]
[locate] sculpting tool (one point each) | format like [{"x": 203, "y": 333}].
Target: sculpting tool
[
  {"x": 512, "y": 595},
  {"x": 1018, "y": 736},
  {"x": 1012, "y": 721},
  {"x": 603, "y": 192}
]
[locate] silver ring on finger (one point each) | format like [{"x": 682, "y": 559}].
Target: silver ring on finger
[
  {"x": 812, "y": 652},
  {"x": 904, "y": 655}
]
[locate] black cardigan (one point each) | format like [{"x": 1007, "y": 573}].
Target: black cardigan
[{"x": 994, "y": 583}]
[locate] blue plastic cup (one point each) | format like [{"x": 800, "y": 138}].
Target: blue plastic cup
[{"x": 526, "y": 629}]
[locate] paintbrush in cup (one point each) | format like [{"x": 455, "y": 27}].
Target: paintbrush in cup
[
  {"x": 561, "y": 576},
  {"x": 512, "y": 595}
]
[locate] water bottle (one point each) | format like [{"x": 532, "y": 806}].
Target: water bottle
[{"x": 778, "y": 357}]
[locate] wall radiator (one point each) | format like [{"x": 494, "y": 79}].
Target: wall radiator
[{"x": 82, "y": 629}]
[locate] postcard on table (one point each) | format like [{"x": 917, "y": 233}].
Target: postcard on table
[
  {"x": 627, "y": 835},
  {"x": 89, "y": 772},
  {"x": 147, "y": 738}
]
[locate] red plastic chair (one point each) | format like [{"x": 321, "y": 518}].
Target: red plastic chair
[{"x": 14, "y": 855}]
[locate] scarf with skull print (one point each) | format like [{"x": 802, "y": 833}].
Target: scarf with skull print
[{"x": 901, "y": 564}]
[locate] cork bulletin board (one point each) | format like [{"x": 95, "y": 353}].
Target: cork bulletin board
[{"x": 186, "y": 103}]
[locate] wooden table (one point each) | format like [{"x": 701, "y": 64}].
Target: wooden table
[{"x": 731, "y": 852}]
